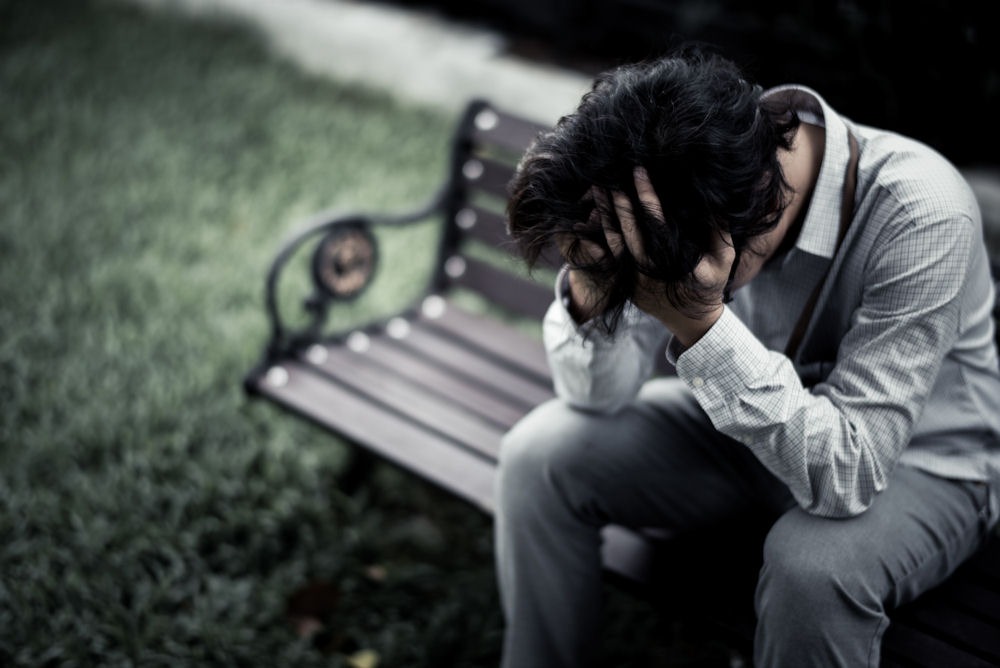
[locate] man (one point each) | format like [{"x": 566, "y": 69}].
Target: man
[{"x": 824, "y": 293}]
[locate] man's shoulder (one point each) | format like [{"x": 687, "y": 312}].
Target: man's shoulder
[{"x": 914, "y": 176}]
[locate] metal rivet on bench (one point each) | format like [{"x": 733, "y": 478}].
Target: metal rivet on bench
[
  {"x": 316, "y": 354},
  {"x": 454, "y": 266},
  {"x": 465, "y": 218},
  {"x": 473, "y": 169},
  {"x": 398, "y": 328},
  {"x": 358, "y": 342},
  {"x": 434, "y": 306},
  {"x": 277, "y": 376},
  {"x": 487, "y": 119}
]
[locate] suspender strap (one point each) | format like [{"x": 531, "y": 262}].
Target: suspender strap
[{"x": 846, "y": 214}]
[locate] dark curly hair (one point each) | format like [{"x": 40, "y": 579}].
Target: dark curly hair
[{"x": 709, "y": 143}]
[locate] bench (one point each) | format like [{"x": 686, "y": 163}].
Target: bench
[{"x": 433, "y": 387}]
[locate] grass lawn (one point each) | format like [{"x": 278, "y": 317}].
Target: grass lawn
[{"x": 150, "y": 515}]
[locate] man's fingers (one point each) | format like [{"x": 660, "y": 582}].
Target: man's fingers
[
  {"x": 603, "y": 209},
  {"x": 715, "y": 266},
  {"x": 725, "y": 239},
  {"x": 592, "y": 250},
  {"x": 630, "y": 231},
  {"x": 647, "y": 194}
]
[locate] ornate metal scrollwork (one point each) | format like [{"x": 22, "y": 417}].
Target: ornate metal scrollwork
[{"x": 344, "y": 261}]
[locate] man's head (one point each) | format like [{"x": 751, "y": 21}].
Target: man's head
[{"x": 710, "y": 149}]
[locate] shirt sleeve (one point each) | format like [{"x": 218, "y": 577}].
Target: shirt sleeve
[
  {"x": 594, "y": 371},
  {"x": 835, "y": 445}
]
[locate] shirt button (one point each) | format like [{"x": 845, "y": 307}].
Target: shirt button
[{"x": 698, "y": 381}]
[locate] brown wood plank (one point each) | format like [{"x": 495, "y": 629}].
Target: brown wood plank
[
  {"x": 516, "y": 294},
  {"x": 488, "y": 175},
  {"x": 438, "y": 381},
  {"x": 512, "y": 133},
  {"x": 412, "y": 400},
  {"x": 498, "y": 340},
  {"x": 388, "y": 435},
  {"x": 489, "y": 374},
  {"x": 490, "y": 228},
  {"x": 486, "y": 226}
]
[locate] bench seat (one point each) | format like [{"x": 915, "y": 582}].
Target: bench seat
[{"x": 433, "y": 393}]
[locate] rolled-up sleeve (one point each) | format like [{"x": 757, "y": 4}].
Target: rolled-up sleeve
[
  {"x": 835, "y": 444},
  {"x": 594, "y": 371}
]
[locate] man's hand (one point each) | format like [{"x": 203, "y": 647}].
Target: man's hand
[
  {"x": 587, "y": 300},
  {"x": 710, "y": 275}
]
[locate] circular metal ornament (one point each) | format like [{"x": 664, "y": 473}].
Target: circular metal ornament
[{"x": 344, "y": 261}]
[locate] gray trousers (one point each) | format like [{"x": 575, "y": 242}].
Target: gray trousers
[{"x": 825, "y": 585}]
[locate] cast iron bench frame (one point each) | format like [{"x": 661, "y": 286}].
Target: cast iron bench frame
[{"x": 433, "y": 388}]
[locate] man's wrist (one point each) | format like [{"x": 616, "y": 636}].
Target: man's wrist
[
  {"x": 576, "y": 295},
  {"x": 688, "y": 331}
]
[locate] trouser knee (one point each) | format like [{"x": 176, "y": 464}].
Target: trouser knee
[
  {"x": 809, "y": 574},
  {"x": 541, "y": 457}
]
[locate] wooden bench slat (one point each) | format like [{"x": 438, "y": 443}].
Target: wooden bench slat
[
  {"x": 506, "y": 343},
  {"x": 487, "y": 226},
  {"x": 438, "y": 382},
  {"x": 490, "y": 176},
  {"x": 415, "y": 401},
  {"x": 515, "y": 387},
  {"x": 511, "y": 133},
  {"x": 513, "y": 293},
  {"x": 388, "y": 435},
  {"x": 490, "y": 228}
]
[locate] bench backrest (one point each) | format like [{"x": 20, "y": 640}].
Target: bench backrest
[{"x": 476, "y": 252}]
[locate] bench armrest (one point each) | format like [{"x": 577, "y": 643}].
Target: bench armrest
[{"x": 323, "y": 226}]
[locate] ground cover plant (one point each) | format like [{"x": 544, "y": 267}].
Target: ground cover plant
[{"x": 149, "y": 514}]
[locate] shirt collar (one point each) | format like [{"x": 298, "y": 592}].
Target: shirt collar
[{"x": 818, "y": 235}]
